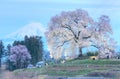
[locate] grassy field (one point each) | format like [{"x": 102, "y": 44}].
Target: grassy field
[{"x": 87, "y": 67}]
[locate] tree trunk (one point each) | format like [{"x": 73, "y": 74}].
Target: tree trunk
[
  {"x": 80, "y": 52},
  {"x": 0, "y": 62}
]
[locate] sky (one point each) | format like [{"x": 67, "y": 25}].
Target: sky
[{"x": 15, "y": 14}]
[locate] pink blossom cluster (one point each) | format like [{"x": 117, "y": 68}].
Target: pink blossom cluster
[{"x": 19, "y": 53}]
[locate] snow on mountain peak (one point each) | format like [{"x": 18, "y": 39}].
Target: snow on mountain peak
[{"x": 31, "y": 29}]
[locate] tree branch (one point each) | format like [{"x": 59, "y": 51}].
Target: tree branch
[
  {"x": 63, "y": 43},
  {"x": 69, "y": 28},
  {"x": 95, "y": 46},
  {"x": 86, "y": 37}
]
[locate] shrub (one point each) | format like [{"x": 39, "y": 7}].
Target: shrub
[{"x": 92, "y": 53}]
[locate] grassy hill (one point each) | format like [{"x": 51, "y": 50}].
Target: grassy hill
[{"x": 87, "y": 67}]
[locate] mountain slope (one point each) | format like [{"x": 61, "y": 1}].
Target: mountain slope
[{"x": 31, "y": 29}]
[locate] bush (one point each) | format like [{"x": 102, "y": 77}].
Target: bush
[{"x": 92, "y": 53}]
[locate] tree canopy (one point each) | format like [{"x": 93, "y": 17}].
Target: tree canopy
[
  {"x": 79, "y": 30},
  {"x": 19, "y": 56}
]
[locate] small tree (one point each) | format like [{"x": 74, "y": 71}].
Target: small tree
[
  {"x": 19, "y": 56},
  {"x": 7, "y": 54},
  {"x": 35, "y": 47},
  {"x": 1, "y": 50}
]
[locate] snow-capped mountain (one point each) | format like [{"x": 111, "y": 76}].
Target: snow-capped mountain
[{"x": 31, "y": 29}]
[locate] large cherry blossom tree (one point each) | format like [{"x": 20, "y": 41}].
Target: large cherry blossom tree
[{"x": 79, "y": 30}]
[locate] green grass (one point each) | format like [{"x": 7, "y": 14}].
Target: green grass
[
  {"x": 81, "y": 67},
  {"x": 89, "y": 62},
  {"x": 99, "y": 62},
  {"x": 68, "y": 73}
]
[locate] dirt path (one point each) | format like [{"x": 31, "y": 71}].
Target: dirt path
[{"x": 5, "y": 74}]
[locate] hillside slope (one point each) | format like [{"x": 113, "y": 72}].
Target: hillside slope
[{"x": 100, "y": 68}]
